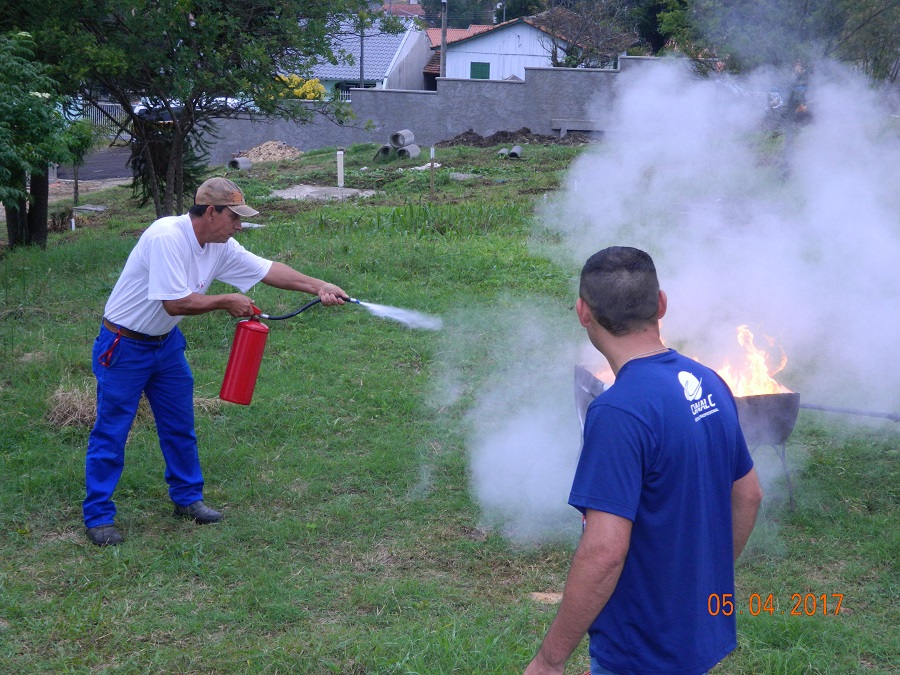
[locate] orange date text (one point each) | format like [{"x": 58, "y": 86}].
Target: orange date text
[{"x": 801, "y": 604}]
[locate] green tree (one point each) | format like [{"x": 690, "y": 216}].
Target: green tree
[
  {"x": 518, "y": 8},
  {"x": 194, "y": 63},
  {"x": 31, "y": 136},
  {"x": 80, "y": 137},
  {"x": 644, "y": 15},
  {"x": 871, "y": 38},
  {"x": 746, "y": 33},
  {"x": 586, "y": 33}
]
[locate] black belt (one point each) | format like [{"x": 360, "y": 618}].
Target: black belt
[{"x": 134, "y": 335}]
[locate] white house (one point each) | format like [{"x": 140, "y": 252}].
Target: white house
[{"x": 499, "y": 53}]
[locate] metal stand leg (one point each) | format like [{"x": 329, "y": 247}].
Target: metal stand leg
[{"x": 780, "y": 450}]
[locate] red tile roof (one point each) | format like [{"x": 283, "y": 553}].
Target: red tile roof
[
  {"x": 433, "y": 67},
  {"x": 454, "y": 34}
]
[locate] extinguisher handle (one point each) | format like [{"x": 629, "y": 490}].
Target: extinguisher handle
[{"x": 256, "y": 310}]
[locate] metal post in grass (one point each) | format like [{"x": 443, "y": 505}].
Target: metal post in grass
[
  {"x": 432, "y": 172},
  {"x": 340, "y": 167},
  {"x": 443, "y": 38}
]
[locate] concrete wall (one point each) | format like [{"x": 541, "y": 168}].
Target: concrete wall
[{"x": 485, "y": 106}]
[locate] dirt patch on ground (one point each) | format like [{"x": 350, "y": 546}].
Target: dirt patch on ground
[
  {"x": 520, "y": 137},
  {"x": 65, "y": 189},
  {"x": 320, "y": 193},
  {"x": 271, "y": 151}
]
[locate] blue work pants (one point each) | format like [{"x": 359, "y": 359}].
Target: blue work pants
[{"x": 159, "y": 370}]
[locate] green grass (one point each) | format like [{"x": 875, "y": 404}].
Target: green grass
[{"x": 352, "y": 543}]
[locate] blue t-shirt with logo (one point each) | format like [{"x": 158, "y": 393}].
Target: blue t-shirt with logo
[{"x": 662, "y": 448}]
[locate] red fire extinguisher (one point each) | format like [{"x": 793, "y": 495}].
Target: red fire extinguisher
[
  {"x": 244, "y": 361},
  {"x": 246, "y": 354}
]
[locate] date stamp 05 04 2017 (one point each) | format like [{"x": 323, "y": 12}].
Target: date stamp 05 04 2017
[{"x": 802, "y": 604}]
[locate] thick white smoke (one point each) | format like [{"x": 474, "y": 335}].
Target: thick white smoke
[
  {"x": 801, "y": 244},
  {"x": 522, "y": 427},
  {"x": 798, "y": 237}
]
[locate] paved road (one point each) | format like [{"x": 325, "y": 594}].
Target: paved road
[{"x": 101, "y": 165}]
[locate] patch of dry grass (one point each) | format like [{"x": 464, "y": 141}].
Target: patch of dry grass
[
  {"x": 76, "y": 406},
  {"x": 73, "y": 407}
]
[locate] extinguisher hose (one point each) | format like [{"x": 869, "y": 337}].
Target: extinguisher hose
[
  {"x": 301, "y": 309},
  {"x": 294, "y": 313}
]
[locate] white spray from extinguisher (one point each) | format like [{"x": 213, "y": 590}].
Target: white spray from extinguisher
[{"x": 408, "y": 317}]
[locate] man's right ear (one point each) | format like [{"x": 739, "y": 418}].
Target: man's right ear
[{"x": 585, "y": 317}]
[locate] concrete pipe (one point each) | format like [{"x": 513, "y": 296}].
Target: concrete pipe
[
  {"x": 503, "y": 152},
  {"x": 408, "y": 151},
  {"x": 242, "y": 163},
  {"x": 516, "y": 152},
  {"x": 383, "y": 152},
  {"x": 402, "y": 138}
]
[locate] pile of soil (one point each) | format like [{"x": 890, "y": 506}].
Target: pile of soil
[
  {"x": 271, "y": 151},
  {"x": 520, "y": 137}
]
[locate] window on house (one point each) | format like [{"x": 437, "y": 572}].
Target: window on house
[{"x": 480, "y": 71}]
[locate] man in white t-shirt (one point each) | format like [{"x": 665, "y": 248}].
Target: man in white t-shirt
[{"x": 140, "y": 349}]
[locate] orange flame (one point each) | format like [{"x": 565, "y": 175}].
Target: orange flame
[{"x": 755, "y": 377}]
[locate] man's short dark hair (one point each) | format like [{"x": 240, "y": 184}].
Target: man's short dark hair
[
  {"x": 198, "y": 210},
  {"x": 620, "y": 286}
]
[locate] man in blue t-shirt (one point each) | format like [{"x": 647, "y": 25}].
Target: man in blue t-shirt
[{"x": 667, "y": 488}]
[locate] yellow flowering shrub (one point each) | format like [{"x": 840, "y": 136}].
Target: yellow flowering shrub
[{"x": 307, "y": 90}]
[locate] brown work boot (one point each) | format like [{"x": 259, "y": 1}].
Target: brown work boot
[
  {"x": 105, "y": 535},
  {"x": 198, "y": 512}
]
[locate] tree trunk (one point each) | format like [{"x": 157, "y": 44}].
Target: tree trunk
[
  {"x": 17, "y": 215},
  {"x": 179, "y": 177},
  {"x": 174, "y": 158},
  {"x": 154, "y": 184},
  {"x": 39, "y": 211},
  {"x": 16, "y": 220},
  {"x": 75, "y": 187}
]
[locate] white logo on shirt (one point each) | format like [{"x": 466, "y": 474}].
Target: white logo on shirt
[{"x": 692, "y": 389}]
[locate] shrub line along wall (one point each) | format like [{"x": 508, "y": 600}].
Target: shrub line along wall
[{"x": 540, "y": 102}]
